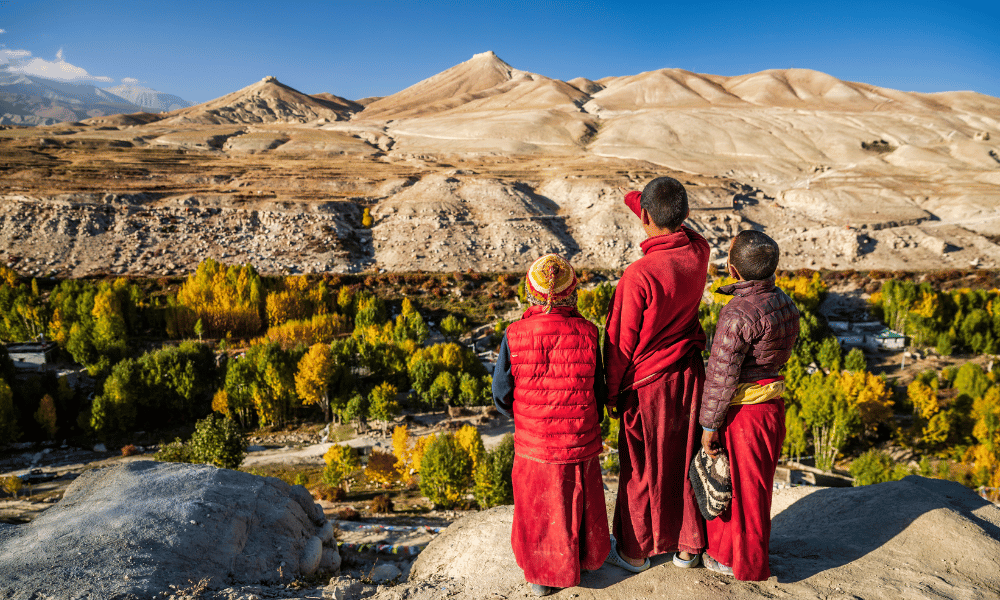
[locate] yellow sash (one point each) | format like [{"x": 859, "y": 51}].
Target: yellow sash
[{"x": 752, "y": 393}]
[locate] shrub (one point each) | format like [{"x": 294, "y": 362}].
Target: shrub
[
  {"x": 301, "y": 479},
  {"x": 382, "y": 504},
  {"x": 130, "y": 450},
  {"x": 218, "y": 441},
  {"x": 341, "y": 461},
  {"x": 445, "y": 471},
  {"x": 12, "y": 485},
  {"x": 330, "y": 494},
  {"x": 876, "y": 467},
  {"x": 382, "y": 468},
  {"x": 175, "y": 451},
  {"x": 493, "y": 475}
]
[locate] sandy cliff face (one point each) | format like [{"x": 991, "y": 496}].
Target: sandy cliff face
[{"x": 484, "y": 166}]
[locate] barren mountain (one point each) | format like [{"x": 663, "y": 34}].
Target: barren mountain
[
  {"x": 484, "y": 166},
  {"x": 267, "y": 101},
  {"x": 148, "y": 98}
]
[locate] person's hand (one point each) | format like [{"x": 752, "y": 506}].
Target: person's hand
[{"x": 711, "y": 441}]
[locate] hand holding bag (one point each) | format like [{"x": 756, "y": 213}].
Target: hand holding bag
[{"x": 712, "y": 483}]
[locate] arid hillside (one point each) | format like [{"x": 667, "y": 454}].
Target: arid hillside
[{"x": 485, "y": 167}]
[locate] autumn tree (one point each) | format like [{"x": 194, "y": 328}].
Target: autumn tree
[
  {"x": 312, "y": 379},
  {"x": 382, "y": 405},
  {"x": 45, "y": 416},
  {"x": 226, "y": 299},
  {"x": 593, "y": 304}
]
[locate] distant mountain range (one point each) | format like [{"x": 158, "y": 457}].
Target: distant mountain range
[
  {"x": 147, "y": 98},
  {"x": 30, "y": 100}
]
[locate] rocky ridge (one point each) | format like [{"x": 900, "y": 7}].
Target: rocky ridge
[{"x": 484, "y": 166}]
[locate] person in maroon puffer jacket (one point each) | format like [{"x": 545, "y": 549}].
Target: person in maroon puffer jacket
[
  {"x": 549, "y": 377},
  {"x": 741, "y": 409}
]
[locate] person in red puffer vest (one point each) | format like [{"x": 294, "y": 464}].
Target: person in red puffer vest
[
  {"x": 655, "y": 374},
  {"x": 549, "y": 377}
]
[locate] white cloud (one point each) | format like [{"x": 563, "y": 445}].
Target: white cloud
[
  {"x": 21, "y": 61},
  {"x": 3, "y": 31},
  {"x": 130, "y": 81}
]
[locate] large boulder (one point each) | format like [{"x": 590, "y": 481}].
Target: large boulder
[
  {"x": 136, "y": 529},
  {"x": 915, "y": 538}
]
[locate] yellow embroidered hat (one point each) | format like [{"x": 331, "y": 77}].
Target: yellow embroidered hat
[{"x": 550, "y": 279}]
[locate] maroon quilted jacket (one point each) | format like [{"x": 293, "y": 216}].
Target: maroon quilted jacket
[{"x": 753, "y": 341}]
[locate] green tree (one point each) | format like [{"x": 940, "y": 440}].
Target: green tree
[
  {"x": 492, "y": 477},
  {"x": 445, "y": 471},
  {"x": 856, "y": 360},
  {"x": 876, "y": 467},
  {"x": 444, "y": 389},
  {"x": 341, "y": 461},
  {"x": 219, "y": 442},
  {"x": 795, "y": 435},
  {"x": 382, "y": 405},
  {"x": 452, "y": 328},
  {"x": 829, "y": 354},
  {"x": 829, "y": 414}
]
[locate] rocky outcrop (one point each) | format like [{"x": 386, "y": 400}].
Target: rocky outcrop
[
  {"x": 140, "y": 528},
  {"x": 912, "y": 538}
]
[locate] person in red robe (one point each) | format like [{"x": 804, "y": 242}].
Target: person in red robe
[
  {"x": 742, "y": 411},
  {"x": 549, "y": 378},
  {"x": 654, "y": 376}
]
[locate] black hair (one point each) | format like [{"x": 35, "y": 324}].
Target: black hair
[
  {"x": 754, "y": 254},
  {"x": 666, "y": 201}
]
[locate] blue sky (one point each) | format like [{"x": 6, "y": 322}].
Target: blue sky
[{"x": 203, "y": 50}]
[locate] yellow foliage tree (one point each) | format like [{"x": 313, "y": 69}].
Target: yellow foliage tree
[
  {"x": 312, "y": 380},
  {"x": 924, "y": 399},
  {"x": 401, "y": 446},
  {"x": 468, "y": 437},
  {"x": 220, "y": 404},
  {"x": 8, "y": 276},
  {"x": 319, "y": 329},
  {"x": 225, "y": 299},
  {"x": 419, "y": 448},
  {"x": 870, "y": 394}
]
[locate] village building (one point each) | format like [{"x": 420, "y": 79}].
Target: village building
[{"x": 32, "y": 356}]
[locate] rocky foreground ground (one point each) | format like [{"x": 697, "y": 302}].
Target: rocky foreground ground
[{"x": 145, "y": 530}]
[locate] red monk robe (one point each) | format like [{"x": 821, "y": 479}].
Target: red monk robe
[
  {"x": 740, "y": 536},
  {"x": 550, "y": 379},
  {"x": 655, "y": 375}
]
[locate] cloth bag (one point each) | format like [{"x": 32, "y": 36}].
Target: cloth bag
[{"x": 712, "y": 483}]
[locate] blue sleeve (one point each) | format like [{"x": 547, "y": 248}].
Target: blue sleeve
[
  {"x": 503, "y": 381},
  {"x": 600, "y": 384}
]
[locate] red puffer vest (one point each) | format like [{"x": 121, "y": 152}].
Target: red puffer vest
[{"x": 553, "y": 360}]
